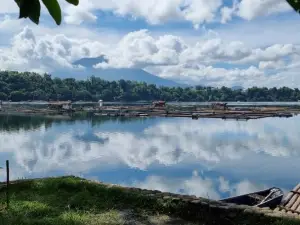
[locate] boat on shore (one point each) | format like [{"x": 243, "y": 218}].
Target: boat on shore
[{"x": 271, "y": 198}]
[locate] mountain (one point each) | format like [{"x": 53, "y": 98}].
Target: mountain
[
  {"x": 115, "y": 74},
  {"x": 90, "y": 62},
  {"x": 235, "y": 88}
]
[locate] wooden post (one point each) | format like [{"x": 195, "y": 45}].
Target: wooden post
[{"x": 7, "y": 184}]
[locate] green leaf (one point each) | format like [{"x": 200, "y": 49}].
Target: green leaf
[
  {"x": 74, "y": 2},
  {"x": 24, "y": 9},
  {"x": 35, "y": 11},
  {"x": 54, "y": 10},
  {"x": 18, "y": 2},
  {"x": 29, "y": 8},
  {"x": 295, "y": 4}
]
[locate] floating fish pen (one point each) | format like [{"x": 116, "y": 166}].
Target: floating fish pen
[
  {"x": 159, "y": 109},
  {"x": 194, "y": 112}
]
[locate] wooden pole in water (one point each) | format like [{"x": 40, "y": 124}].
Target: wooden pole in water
[{"x": 7, "y": 184}]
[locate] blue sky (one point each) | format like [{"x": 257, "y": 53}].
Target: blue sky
[{"x": 216, "y": 42}]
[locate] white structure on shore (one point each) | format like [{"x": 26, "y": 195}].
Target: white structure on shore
[
  {"x": 100, "y": 103},
  {"x": 67, "y": 106}
]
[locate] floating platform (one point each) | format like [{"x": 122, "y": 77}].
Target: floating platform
[{"x": 193, "y": 112}]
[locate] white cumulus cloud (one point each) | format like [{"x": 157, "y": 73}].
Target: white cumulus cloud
[
  {"x": 161, "y": 11},
  {"x": 251, "y": 9},
  {"x": 211, "y": 61},
  {"x": 29, "y": 53}
]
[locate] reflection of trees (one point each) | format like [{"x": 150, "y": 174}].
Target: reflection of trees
[{"x": 17, "y": 122}]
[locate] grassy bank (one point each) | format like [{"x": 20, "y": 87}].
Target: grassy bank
[{"x": 75, "y": 201}]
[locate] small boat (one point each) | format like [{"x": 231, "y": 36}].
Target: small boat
[
  {"x": 266, "y": 198},
  {"x": 143, "y": 115}
]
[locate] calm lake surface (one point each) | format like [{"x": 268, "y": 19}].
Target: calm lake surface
[{"x": 207, "y": 157}]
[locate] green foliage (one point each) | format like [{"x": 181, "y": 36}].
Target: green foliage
[
  {"x": 32, "y": 86},
  {"x": 71, "y": 200},
  {"x": 3, "y": 96},
  {"x": 32, "y": 9},
  {"x": 17, "y": 96},
  {"x": 295, "y": 4},
  {"x": 54, "y": 10},
  {"x": 74, "y": 2},
  {"x": 29, "y": 8}
]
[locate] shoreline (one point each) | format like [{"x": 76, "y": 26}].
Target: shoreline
[{"x": 48, "y": 198}]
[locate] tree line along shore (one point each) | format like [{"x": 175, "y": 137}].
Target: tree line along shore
[{"x": 28, "y": 86}]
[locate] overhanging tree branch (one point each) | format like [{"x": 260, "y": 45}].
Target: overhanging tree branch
[
  {"x": 32, "y": 8},
  {"x": 295, "y": 4}
]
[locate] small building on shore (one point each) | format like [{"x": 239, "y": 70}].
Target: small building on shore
[
  {"x": 60, "y": 105},
  {"x": 159, "y": 103},
  {"x": 100, "y": 102},
  {"x": 219, "y": 105}
]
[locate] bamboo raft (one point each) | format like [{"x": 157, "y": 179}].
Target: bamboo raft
[
  {"x": 194, "y": 112},
  {"x": 291, "y": 203}
]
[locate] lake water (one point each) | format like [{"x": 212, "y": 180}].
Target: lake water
[{"x": 207, "y": 157}]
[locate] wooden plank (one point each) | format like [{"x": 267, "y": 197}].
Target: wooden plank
[
  {"x": 296, "y": 204},
  {"x": 292, "y": 201},
  {"x": 7, "y": 184},
  {"x": 296, "y": 192},
  {"x": 298, "y": 208},
  {"x": 290, "y": 195},
  {"x": 288, "y": 210}
]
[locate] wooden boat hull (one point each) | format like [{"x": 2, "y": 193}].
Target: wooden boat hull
[{"x": 266, "y": 198}]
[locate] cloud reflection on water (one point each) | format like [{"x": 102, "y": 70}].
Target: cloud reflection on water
[
  {"x": 199, "y": 186},
  {"x": 237, "y": 152}
]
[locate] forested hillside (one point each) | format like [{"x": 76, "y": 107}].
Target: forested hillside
[{"x": 16, "y": 86}]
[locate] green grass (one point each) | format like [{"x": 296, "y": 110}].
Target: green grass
[{"x": 74, "y": 201}]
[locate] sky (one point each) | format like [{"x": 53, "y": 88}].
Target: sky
[{"x": 217, "y": 42}]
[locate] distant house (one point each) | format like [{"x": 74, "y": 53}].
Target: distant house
[
  {"x": 219, "y": 106},
  {"x": 159, "y": 103},
  {"x": 60, "y": 105}
]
